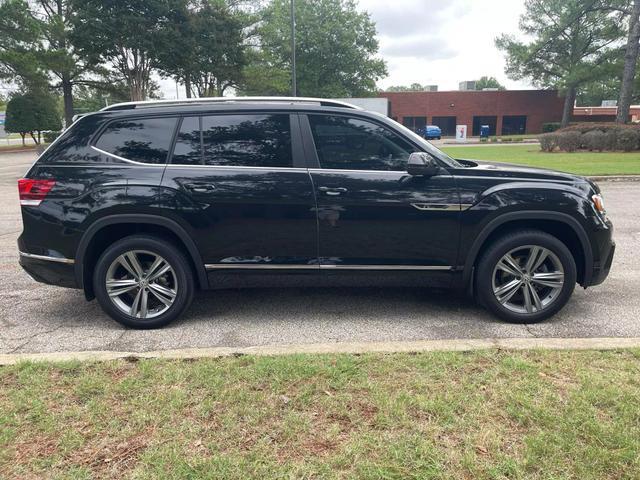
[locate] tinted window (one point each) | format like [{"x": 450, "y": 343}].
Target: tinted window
[
  {"x": 144, "y": 140},
  {"x": 247, "y": 140},
  {"x": 355, "y": 144},
  {"x": 188, "y": 149}
]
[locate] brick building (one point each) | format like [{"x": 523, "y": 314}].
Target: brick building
[
  {"x": 507, "y": 112},
  {"x": 603, "y": 114}
]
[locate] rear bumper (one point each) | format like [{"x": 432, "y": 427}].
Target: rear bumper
[{"x": 50, "y": 270}]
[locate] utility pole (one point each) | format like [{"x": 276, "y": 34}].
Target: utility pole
[{"x": 294, "y": 89}]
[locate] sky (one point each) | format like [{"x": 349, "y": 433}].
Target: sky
[
  {"x": 437, "y": 42},
  {"x": 443, "y": 42}
]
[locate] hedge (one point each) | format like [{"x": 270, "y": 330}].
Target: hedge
[{"x": 593, "y": 137}]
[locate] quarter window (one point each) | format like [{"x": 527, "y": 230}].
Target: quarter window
[
  {"x": 255, "y": 140},
  {"x": 145, "y": 140},
  {"x": 355, "y": 144}
]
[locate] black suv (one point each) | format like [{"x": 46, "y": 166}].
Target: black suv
[{"x": 141, "y": 204}]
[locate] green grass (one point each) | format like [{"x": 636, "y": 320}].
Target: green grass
[
  {"x": 482, "y": 415},
  {"x": 582, "y": 163}
]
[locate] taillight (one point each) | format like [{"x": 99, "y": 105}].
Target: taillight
[{"x": 32, "y": 191}]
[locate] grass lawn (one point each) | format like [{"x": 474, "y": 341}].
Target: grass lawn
[
  {"x": 583, "y": 163},
  {"x": 490, "y": 414}
]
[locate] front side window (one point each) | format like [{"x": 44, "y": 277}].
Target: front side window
[
  {"x": 247, "y": 140},
  {"x": 145, "y": 140},
  {"x": 356, "y": 144}
]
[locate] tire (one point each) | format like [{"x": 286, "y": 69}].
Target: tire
[
  {"x": 510, "y": 291},
  {"x": 166, "y": 280}
]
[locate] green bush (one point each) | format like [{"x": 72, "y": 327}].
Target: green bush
[
  {"x": 627, "y": 140},
  {"x": 610, "y": 140},
  {"x": 585, "y": 127},
  {"x": 493, "y": 139},
  {"x": 594, "y": 140},
  {"x": 548, "y": 142},
  {"x": 506, "y": 139},
  {"x": 32, "y": 112},
  {"x": 569, "y": 141},
  {"x": 518, "y": 139},
  {"x": 50, "y": 136},
  {"x": 483, "y": 139},
  {"x": 550, "y": 127}
]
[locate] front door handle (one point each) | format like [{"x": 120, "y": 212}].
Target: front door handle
[
  {"x": 200, "y": 187},
  {"x": 333, "y": 191}
]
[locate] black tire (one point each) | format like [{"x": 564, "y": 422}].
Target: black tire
[
  {"x": 180, "y": 275},
  {"x": 487, "y": 267}
]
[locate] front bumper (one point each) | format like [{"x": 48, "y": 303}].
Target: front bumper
[
  {"x": 601, "y": 269},
  {"x": 50, "y": 270}
]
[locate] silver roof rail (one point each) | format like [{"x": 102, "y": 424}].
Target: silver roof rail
[{"x": 208, "y": 100}]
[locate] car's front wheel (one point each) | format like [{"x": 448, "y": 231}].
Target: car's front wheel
[
  {"x": 526, "y": 276},
  {"x": 143, "y": 282}
]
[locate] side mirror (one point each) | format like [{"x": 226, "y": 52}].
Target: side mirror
[{"x": 422, "y": 164}]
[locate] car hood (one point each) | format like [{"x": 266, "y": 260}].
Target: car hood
[{"x": 519, "y": 172}]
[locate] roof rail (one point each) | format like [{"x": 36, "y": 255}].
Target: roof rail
[{"x": 207, "y": 100}]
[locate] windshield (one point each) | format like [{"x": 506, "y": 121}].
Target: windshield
[{"x": 430, "y": 148}]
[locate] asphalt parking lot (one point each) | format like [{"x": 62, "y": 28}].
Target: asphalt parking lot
[{"x": 40, "y": 318}]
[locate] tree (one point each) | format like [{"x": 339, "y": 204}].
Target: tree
[
  {"x": 36, "y": 50},
  {"x": 336, "y": 50},
  {"x": 414, "y": 87},
  {"x": 125, "y": 34},
  {"x": 32, "y": 112},
  {"x": 489, "y": 82},
  {"x": 203, "y": 48},
  {"x": 572, "y": 44},
  {"x": 630, "y": 63}
]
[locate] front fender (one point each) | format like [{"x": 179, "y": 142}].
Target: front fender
[{"x": 523, "y": 202}]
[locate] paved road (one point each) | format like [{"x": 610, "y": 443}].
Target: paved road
[{"x": 39, "y": 318}]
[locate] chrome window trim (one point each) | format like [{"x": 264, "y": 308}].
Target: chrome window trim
[
  {"x": 340, "y": 170},
  {"x": 47, "y": 258},
  {"x": 122, "y": 159},
  {"x": 257, "y": 266},
  {"x": 242, "y": 167}
]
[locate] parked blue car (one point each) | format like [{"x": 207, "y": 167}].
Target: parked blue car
[{"x": 431, "y": 132}]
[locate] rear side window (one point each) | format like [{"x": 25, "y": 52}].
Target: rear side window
[
  {"x": 248, "y": 140},
  {"x": 355, "y": 144},
  {"x": 188, "y": 149},
  {"x": 145, "y": 140}
]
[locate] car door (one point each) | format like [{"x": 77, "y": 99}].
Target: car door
[
  {"x": 243, "y": 186},
  {"x": 372, "y": 214}
]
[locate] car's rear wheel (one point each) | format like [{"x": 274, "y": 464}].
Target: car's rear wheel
[
  {"x": 143, "y": 282},
  {"x": 526, "y": 276}
]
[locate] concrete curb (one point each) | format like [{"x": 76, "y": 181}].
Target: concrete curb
[
  {"x": 616, "y": 178},
  {"x": 332, "y": 348}
]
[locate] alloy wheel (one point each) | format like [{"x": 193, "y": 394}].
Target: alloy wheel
[
  {"x": 141, "y": 284},
  {"x": 528, "y": 279}
]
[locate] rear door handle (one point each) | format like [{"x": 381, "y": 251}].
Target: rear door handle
[
  {"x": 333, "y": 191},
  {"x": 200, "y": 187}
]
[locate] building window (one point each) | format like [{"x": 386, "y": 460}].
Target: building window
[
  {"x": 416, "y": 124},
  {"x": 447, "y": 125},
  {"x": 492, "y": 121},
  {"x": 514, "y": 124}
]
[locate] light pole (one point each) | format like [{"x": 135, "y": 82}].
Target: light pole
[{"x": 294, "y": 89}]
